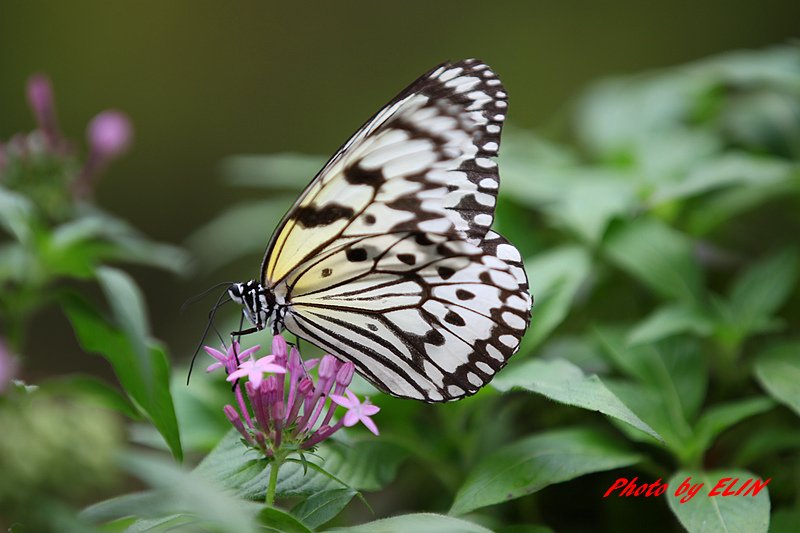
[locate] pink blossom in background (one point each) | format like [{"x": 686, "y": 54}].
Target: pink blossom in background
[
  {"x": 42, "y": 103},
  {"x": 109, "y": 134},
  {"x": 8, "y": 366}
]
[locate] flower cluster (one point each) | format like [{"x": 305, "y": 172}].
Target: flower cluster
[
  {"x": 45, "y": 165},
  {"x": 282, "y": 409}
]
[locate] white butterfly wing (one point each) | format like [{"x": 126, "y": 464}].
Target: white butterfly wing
[{"x": 387, "y": 259}]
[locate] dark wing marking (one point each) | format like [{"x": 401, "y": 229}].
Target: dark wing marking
[
  {"x": 422, "y": 316},
  {"x": 422, "y": 163}
]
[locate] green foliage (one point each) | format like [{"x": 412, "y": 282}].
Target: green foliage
[
  {"x": 660, "y": 237},
  {"x": 664, "y": 271},
  {"x": 144, "y": 376},
  {"x": 564, "y": 382},
  {"x": 718, "y": 513},
  {"x": 536, "y": 462},
  {"x": 60, "y": 437}
]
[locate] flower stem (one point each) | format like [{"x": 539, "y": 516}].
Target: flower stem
[{"x": 273, "y": 480}]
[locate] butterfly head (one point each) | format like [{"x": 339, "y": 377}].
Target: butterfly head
[{"x": 257, "y": 302}]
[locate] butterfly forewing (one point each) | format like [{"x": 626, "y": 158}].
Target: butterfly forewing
[
  {"x": 423, "y": 163},
  {"x": 387, "y": 259}
]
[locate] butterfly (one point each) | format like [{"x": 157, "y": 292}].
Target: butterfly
[{"x": 387, "y": 259}]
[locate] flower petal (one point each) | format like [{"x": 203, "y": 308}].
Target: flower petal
[
  {"x": 247, "y": 353},
  {"x": 279, "y": 347},
  {"x": 370, "y": 425},
  {"x": 352, "y": 397},
  {"x": 369, "y": 409},
  {"x": 350, "y": 418},
  {"x": 341, "y": 400},
  {"x": 216, "y": 354},
  {"x": 255, "y": 378},
  {"x": 233, "y": 376},
  {"x": 214, "y": 366}
]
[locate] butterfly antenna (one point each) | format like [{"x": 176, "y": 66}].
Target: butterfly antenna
[
  {"x": 235, "y": 343},
  {"x": 209, "y": 325},
  {"x": 220, "y": 337},
  {"x": 197, "y": 297}
]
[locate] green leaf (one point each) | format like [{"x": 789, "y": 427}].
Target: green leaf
[
  {"x": 129, "y": 309},
  {"x": 676, "y": 369},
  {"x": 718, "y": 418},
  {"x": 278, "y": 521},
  {"x": 15, "y": 262},
  {"x": 147, "y": 384},
  {"x": 181, "y": 492},
  {"x": 367, "y": 464},
  {"x": 321, "y": 507},
  {"x": 16, "y": 215},
  {"x": 726, "y": 170},
  {"x": 238, "y": 232},
  {"x": 614, "y": 116},
  {"x": 97, "y": 236},
  {"x": 658, "y": 256},
  {"x": 762, "y": 289},
  {"x": 732, "y": 514},
  {"x": 727, "y": 204},
  {"x": 589, "y": 198},
  {"x": 670, "y": 320},
  {"x": 197, "y": 407},
  {"x": 364, "y": 464},
  {"x": 418, "y": 523},
  {"x": 778, "y": 371},
  {"x": 236, "y": 467},
  {"x": 536, "y": 462},
  {"x": 556, "y": 277},
  {"x": 564, "y": 382},
  {"x": 768, "y": 442},
  {"x": 274, "y": 171},
  {"x": 94, "y": 389}
]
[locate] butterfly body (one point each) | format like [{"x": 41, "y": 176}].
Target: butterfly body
[{"x": 387, "y": 258}]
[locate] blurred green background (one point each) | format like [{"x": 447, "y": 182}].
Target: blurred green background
[{"x": 204, "y": 80}]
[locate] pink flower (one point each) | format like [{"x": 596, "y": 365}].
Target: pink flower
[
  {"x": 357, "y": 411},
  {"x": 288, "y": 410},
  {"x": 110, "y": 134},
  {"x": 255, "y": 370},
  {"x": 230, "y": 361},
  {"x": 42, "y": 102}
]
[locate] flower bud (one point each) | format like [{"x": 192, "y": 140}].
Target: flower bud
[
  {"x": 251, "y": 391},
  {"x": 233, "y": 417},
  {"x": 295, "y": 362},
  {"x": 279, "y": 411},
  {"x": 42, "y": 102},
  {"x": 345, "y": 374},
  {"x": 328, "y": 367},
  {"x": 279, "y": 349},
  {"x": 110, "y": 134},
  {"x": 306, "y": 387}
]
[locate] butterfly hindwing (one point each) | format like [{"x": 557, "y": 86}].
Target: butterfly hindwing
[
  {"x": 423, "y": 163},
  {"x": 422, "y": 316}
]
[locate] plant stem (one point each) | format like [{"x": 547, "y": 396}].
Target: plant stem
[{"x": 273, "y": 480}]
